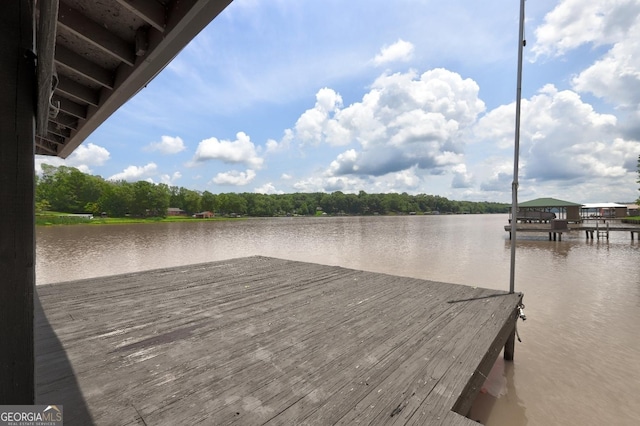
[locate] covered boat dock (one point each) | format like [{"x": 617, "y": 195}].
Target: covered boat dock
[
  {"x": 603, "y": 211},
  {"x": 544, "y": 210},
  {"x": 556, "y": 217}
]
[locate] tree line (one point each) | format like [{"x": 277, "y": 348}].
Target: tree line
[{"x": 67, "y": 189}]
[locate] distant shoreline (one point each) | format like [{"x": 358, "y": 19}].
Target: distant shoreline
[
  {"x": 60, "y": 219},
  {"x": 57, "y": 219}
]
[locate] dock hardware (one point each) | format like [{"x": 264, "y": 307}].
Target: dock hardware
[{"x": 521, "y": 316}]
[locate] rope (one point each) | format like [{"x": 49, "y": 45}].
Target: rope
[
  {"x": 519, "y": 315},
  {"x": 53, "y": 109}
]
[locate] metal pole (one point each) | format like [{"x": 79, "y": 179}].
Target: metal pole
[{"x": 516, "y": 154}]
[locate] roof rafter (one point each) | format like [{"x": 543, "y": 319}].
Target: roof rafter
[
  {"x": 61, "y": 131},
  {"x": 65, "y": 121},
  {"x": 45, "y": 144},
  {"x": 150, "y": 11},
  {"x": 70, "y": 107},
  {"x": 77, "y": 91},
  {"x": 94, "y": 33},
  {"x": 95, "y": 73},
  {"x": 106, "y": 51}
]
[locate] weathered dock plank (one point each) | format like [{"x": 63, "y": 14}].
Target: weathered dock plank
[{"x": 266, "y": 341}]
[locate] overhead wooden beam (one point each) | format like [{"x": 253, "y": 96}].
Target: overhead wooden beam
[
  {"x": 77, "y": 91},
  {"x": 51, "y": 138},
  {"x": 65, "y": 120},
  {"x": 57, "y": 130},
  {"x": 46, "y": 41},
  {"x": 96, "y": 34},
  {"x": 17, "y": 189},
  {"x": 142, "y": 41},
  {"x": 151, "y": 11},
  {"x": 70, "y": 107},
  {"x": 40, "y": 145},
  {"x": 185, "y": 19},
  {"x": 74, "y": 62}
]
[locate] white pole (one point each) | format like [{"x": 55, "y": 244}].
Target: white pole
[{"x": 516, "y": 155}]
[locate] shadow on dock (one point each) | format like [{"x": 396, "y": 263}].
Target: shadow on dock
[
  {"x": 56, "y": 382},
  {"x": 477, "y": 298}
]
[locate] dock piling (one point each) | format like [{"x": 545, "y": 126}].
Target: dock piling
[
  {"x": 509, "y": 347},
  {"x": 555, "y": 234}
]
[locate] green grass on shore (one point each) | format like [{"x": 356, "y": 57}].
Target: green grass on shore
[
  {"x": 57, "y": 218},
  {"x": 632, "y": 219}
]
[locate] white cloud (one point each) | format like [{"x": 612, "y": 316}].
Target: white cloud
[
  {"x": 556, "y": 128},
  {"x": 405, "y": 120},
  {"x": 83, "y": 158},
  {"x": 497, "y": 126},
  {"x": 240, "y": 151},
  {"x": 616, "y": 76},
  {"x": 273, "y": 145},
  {"x": 461, "y": 178},
  {"x": 564, "y": 143},
  {"x": 556, "y": 125},
  {"x": 234, "y": 177},
  {"x": 286, "y": 176},
  {"x": 498, "y": 175},
  {"x": 399, "y": 51},
  {"x": 284, "y": 144},
  {"x": 136, "y": 173},
  {"x": 170, "y": 179},
  {"x": 573, "y": 23},
  {"x": 89, "y": 154},
  {"x": 405, "y": 180},
  {"x": 267, "y": 188},
  {"x": 344, "y": 164},
  {"x": 167, "y": 145},
  {"x": 313, "y": 125},
  {"x": 330, "y": 184}
]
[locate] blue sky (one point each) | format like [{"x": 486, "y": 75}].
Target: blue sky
[{"x": 409, "y": 96}]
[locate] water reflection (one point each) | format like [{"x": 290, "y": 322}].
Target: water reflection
[
  {"x": 557, "y": 248},
  {"x": 498, "y": 401}
]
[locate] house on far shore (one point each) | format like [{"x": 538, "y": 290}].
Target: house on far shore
[
  {"x": 547, "y": 209},
  {"x": 204, "y": 215},
  {"x": 175, "y": 211},
  {"x": 604, "y": 210},
  {"x": 633, "y": 210}
]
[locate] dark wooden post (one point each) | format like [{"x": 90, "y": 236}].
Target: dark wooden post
[
  {"x": 17, "y": 245},
  {"x": 510, "y": 345}
]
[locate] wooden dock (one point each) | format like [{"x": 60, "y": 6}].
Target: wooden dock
[
  {"x": 266, "y": 341},
  {"x": 600, "y": 230}
]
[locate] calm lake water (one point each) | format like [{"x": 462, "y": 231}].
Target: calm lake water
[{"x": 578, "y": 364}]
